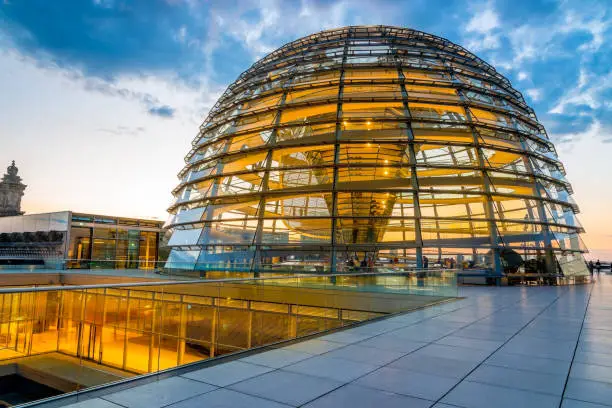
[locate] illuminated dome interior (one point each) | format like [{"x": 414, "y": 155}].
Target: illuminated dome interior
[{"x": 377, "y": 142}]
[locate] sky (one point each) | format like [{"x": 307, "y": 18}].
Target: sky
[{"x": 100, "y": 99}]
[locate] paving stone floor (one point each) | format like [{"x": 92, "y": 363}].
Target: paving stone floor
[{"x": 499, "y": 347}]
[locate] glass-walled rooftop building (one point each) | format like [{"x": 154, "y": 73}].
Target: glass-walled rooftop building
[
  {"x": 378, "y": 143},
  {"x": 66, "y": 239}
]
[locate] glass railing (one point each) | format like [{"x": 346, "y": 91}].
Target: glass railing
[
  {"x": 84, "y": 336},
  {"x": 188, "y": 270}
]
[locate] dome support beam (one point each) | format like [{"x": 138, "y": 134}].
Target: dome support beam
[
  {"x": 337, "y": 136},
  {"x": 413, "y": 169}
]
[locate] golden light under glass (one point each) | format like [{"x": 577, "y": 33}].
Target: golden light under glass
[{"x": 372, "y": 142}]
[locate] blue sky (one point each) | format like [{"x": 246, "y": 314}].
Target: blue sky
[{"x": 101, "y": 98}]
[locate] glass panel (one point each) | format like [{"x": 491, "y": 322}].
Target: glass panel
[
  {"x": 360, "y": 92},
  {"x": 321, "y": 113},
  {"x": 370, "y": 73},
  {"x": 390, "y": 110},
  {"x": 373, "y": 131},
  {"x": 314, "y": 94},
  {"x": 185, "y": 236}
]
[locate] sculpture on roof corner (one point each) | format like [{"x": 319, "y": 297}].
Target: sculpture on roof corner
[{"x": 11, "y": 191}]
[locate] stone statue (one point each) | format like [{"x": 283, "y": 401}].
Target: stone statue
[{"x": 11, "y": 191}]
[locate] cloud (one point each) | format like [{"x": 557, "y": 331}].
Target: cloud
[
  {"x": 594, "y": 131},
  {"x": 560, "y": 53},
  {"x": 110, "y": 89},
  {"x": 560, "y": 33},
  {"x": 535, "y": 94},
  {"x": 483, "y": 28},
  {"x": 591, "y": 92},
  {"x": 164, "y": 111},
  {"x": 192, "y": 49},
  {"x": 123, "y": 130},
  {"x": 261, "y": 27},
  {"x": 594, "y": 22},
  {"x": 181, "y": 34},
  {"x": 484, "y": 21},
  {"x": 105, "y": 38},
  {"x": 113, "y": 48}
]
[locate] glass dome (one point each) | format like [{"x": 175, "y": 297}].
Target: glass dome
[{"x": 372, "y": 143}]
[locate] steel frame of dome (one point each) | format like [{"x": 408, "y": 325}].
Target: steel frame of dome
[{"x": 372, "y": 141}]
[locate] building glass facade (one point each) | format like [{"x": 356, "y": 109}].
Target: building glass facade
[
  {"x": 77, "y": 240},
  {"x": 377, "y": 143},
  {"x": 109, "y": 242}
]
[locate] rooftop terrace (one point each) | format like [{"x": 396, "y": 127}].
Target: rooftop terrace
[{"x": 497, "y": 347}]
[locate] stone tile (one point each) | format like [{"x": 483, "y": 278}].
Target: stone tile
[
  {"x": 530, "y": 363},
  {"x": 444, "y": 367},
  {"x": 597, "y": 325},
  {"x": 347, "y": 337},
  {"x": 593, "y": 334},
  {"x": 486, "y": 326},
  {"x": 368, "y": 355},
  {"x": 591, "y": 372},
  {"x": 393, "y": 343},
  {"x": 426, "y": 386},
  {"x": 482, "y": 333},
  {"x": 423, "y": 334},
  {"x": 524, "y": 380},
  {"x": 441, "y": 405},
  {"x": 287, "y": 387},
  {"x": 455, "y": 353},
  {"x": 227, "y": 398},
  {"x": 595, "y": 347},
  {"x": 276, "y": 358},
  {"x": 225, "y": 374},
  {"x": 332, "y": 368},
  {"x": 589, "y": 391},
  {"x": 499, "y": 322},
  {"x": 407, "y": 319},
  {"x": 361, "y": 397},
  {"x": 376, "y": 330},
  {"x": 458, "y": 319},
  {"x": 570, "y": 403},
  {"x": 314, "y": 346},
  {"x": 94, "y": 403},
  {"x": 551, "y": 324},
  {"x": 567, "y": 335},
  {"x": 456, "y": 341},
  {"x": 531, "y": 346},
  {"x": 588, "y": 357},
  {"x": 159, "y": 393},
  {"x": 477, "y": 395}
]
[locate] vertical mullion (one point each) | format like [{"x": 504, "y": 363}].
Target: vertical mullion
[
  {"x": 337, "y": 135},
  {"x": 413, "y": 168}
]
